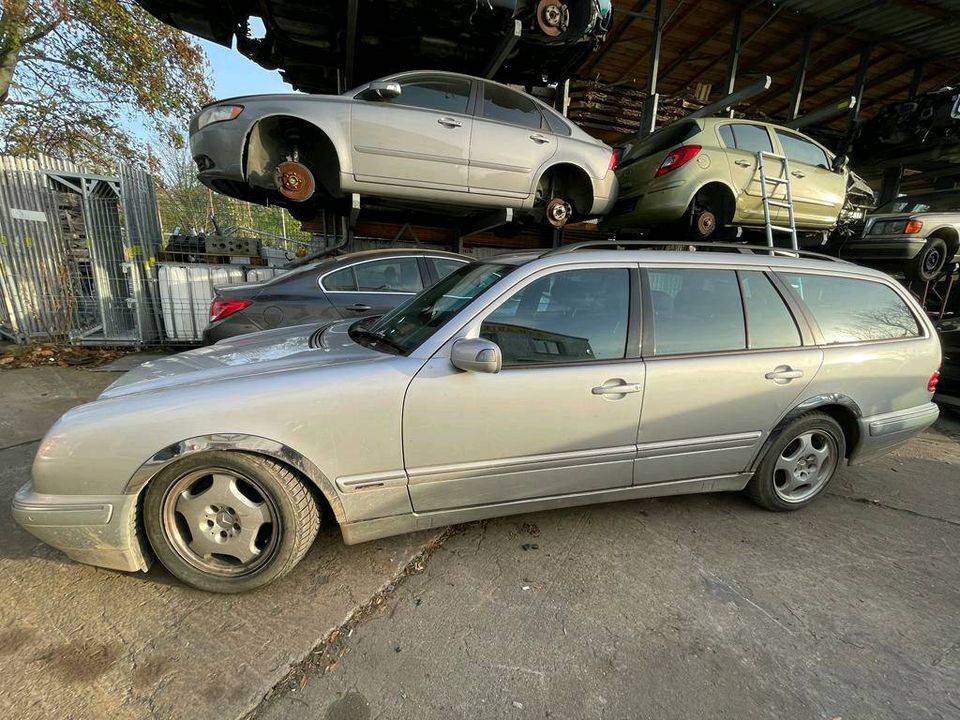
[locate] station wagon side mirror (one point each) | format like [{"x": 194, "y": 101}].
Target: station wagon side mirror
[
  {"x": 840, "y": 163},
  {"x": 383, "y": 89},
  {"x": 476, "y": 355}
]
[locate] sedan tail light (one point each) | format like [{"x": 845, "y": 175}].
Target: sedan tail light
[
  {"x": 934, "y": 380},
  {"x": 223, "y": 308},
  {"x": 677, "y": 158}
]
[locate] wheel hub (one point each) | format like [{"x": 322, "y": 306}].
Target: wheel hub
[
  {"x": 706, "y": 223},
  {"x": 933, "y": 260},
  {"x": 295, "y": 181},
  {"x": 804, "y": 466},
  {"x": 558, "y": 212},
  {"x": 553, "y": 17}
]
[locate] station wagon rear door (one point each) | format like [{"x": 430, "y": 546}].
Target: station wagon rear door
[{"x": 716, "y": 384}]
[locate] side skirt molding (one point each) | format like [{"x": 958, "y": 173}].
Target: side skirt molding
[{"x": 364, "y": 530}]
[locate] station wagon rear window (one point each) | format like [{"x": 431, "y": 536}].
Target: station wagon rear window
[
  {"x": 696, "y": 311},
  {"x": 851, "y": 310}
]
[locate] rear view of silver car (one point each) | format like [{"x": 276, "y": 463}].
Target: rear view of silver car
[{"x": 522, "y": 383}]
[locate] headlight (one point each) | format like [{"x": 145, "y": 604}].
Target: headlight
[
  {"x": 897, "y": 227},
  {"x": 218, "y": 113}
]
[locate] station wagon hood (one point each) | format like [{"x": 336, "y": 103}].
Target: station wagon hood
[{"x": 271, "y": 351}]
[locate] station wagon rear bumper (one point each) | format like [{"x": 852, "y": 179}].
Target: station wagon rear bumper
[
  {"x": 879, "y": 434},
  {"x": 96, "y": 530}
]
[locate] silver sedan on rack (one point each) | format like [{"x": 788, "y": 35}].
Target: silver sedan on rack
[
  {"x": 510, "y": 386},
  {"x": 433, "y": 138}
]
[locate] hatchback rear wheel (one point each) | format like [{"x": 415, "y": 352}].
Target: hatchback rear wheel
[
  {"x": 799, "y": 464},
  {"x": 229, "y": 521}
]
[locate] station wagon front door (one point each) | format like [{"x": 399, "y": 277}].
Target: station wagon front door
[{"x": 560, "y": 417}]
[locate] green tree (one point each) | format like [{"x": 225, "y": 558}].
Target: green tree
[{"x": 76, "y": 74}]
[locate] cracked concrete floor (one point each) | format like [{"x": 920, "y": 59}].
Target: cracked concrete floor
[{"x": 686, "y": 607}]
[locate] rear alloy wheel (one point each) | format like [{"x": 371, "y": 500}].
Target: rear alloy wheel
[
  {"x": 228, "y": 521},
  {"x": 927, "y": 264},
  {"x": 799, "y": 464}
]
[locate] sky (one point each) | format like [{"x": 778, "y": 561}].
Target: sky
[{"x": 233, "y": 74}]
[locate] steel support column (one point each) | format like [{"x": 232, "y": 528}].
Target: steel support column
[
  {"x": 649, "y": 123},
  {"x": 351, "y": 43},
  {"x": 734, "y": 60},
  {"x": 861, "y": 83},
  {"x": 916, "y": 80},
  {"x": 801, "y": 75}
]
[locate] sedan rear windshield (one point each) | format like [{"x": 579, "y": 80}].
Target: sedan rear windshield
[
  {"x": 406, "y": 327},
  {"x": 934, "y": 202}
]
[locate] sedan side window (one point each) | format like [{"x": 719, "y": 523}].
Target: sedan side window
[
  {"x": 444, "y": 94},
  {"x": 445, "y": 266},
  {"x": 342, "y": 280},
  {"x": 391, "y": 275},
  {"x": 504, "y": 105},
  {"x": 798, "y": 149},
  {"x": 569, "y": 316},
  {"x": 696, "y": 311}
]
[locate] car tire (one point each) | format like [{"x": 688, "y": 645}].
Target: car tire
[
  {"x": 927, "y": 264},
  {"x": 229, "y": 522},
  {"x": 800, "y": 463}
]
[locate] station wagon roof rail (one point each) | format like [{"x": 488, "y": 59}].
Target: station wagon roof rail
[{"x": 684, "y": 245}]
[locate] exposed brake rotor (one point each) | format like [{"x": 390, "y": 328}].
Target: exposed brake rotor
[
  {"x": 295, "y": 181},
  {"x": 553, "y": 17},
  {"x": 558, "y": 212}
]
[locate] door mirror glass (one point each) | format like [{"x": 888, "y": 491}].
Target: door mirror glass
[
  {"x": 385, "y": 89},
  {"x": 476, "y": 355},
  {"x": 840, "y": 163}
]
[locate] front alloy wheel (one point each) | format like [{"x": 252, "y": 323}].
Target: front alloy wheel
[{"x": 229, "y": 521}]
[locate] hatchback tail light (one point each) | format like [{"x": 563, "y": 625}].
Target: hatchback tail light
[
  {"x": 934, "y": 380},
  {"x": 677, "y": 158},
  {"x": 613, "y": 161},
  {"x": 223, "y": 308}
]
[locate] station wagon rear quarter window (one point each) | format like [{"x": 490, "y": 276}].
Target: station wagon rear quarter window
[
  {"x": 507, "y": 106},
  {"x": 853, "y": 310},
  {"x": 696, "y": 311},
  {"x": 567, "y": 316}
]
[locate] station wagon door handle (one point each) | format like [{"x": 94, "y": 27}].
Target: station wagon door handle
[
  {"x": 784, "y": 374},
  {"x": 358, "y": 307},
  {"x": 539, "y": 139},
  {"x": 449, "y": 122},
  {"x": 797, "y": 174},
  {"x": 621, "y": 389},
  {"x": 742, "y": 163}
]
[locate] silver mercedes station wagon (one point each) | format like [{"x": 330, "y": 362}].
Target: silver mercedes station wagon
[{"x": 526, "y": 382}]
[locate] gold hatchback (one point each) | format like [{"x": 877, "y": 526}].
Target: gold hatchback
[{"x": 704, "y": 173}]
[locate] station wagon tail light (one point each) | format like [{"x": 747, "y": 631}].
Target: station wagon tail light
[
  {"x": 613, "y": 161},
  {"x": 677, "y": 159},
  {"x": 218, "y": 113},
  {"x": 912, "y": 227},
  {"x": 221, "y": 308},
  {"x": 934, "y": 381}
]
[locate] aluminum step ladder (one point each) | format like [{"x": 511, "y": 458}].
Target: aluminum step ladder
[{"x": 768, "y": 188}]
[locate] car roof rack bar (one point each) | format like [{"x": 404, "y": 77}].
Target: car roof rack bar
[{"x": 685, "y": 246}]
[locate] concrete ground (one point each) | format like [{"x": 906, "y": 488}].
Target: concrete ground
[
  {"x": 674, "y": 608},
  {"x": 82, "y": 642}
]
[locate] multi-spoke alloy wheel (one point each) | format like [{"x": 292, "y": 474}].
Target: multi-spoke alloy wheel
[
  {"x": 229, "y": 521},
  {"x": 799, "y": 463}
]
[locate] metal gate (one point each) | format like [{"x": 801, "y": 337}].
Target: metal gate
[{"x": 76, "y": 253}]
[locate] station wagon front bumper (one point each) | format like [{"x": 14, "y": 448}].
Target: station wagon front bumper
[
  {"x": 879, "y": 434},
  {"x": 92, "y": 529},
  {"x": 890, "y": 248}
]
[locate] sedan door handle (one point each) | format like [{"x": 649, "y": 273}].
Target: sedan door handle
[
  {"x": 539, "y": 139},
  {"x": 449, "y": 122},
  {"x": 619, "y": 389},
  {"x": 797, "y": 174},
  {"x": 742, "y": 163},
  {"x": 358, "y": 307},
  {"x": 783, "y": 374}
]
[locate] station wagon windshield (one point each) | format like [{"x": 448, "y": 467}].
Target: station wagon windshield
[{"x": 405, "y": 327}]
